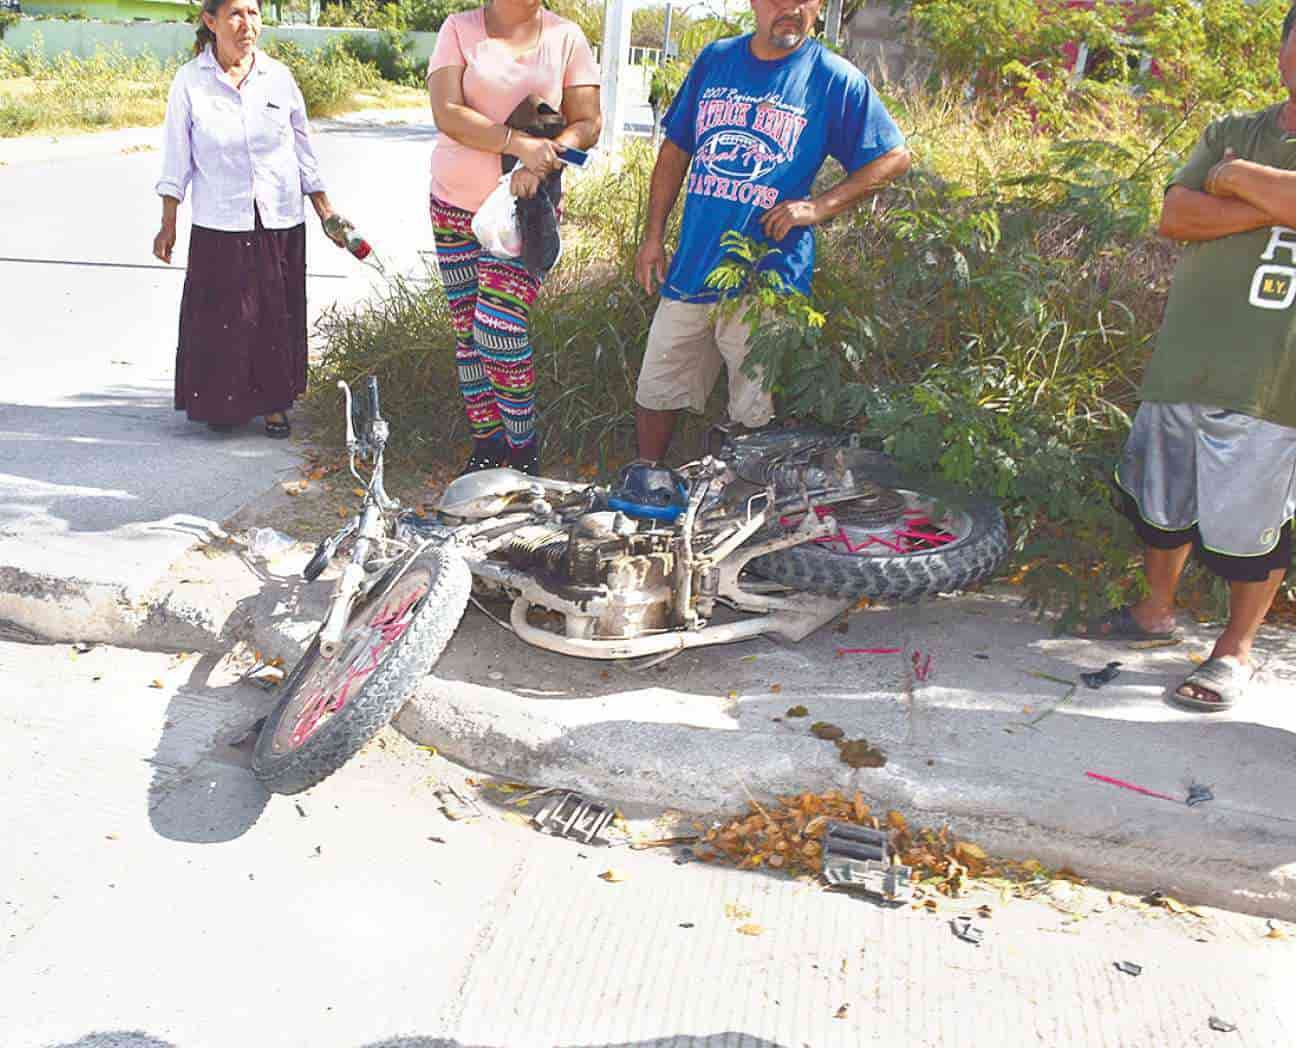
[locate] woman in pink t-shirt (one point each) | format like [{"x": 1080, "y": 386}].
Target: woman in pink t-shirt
[{"x": 485, "y": 62}]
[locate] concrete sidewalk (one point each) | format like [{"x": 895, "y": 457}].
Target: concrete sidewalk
[
  {"x": 155, "y": 897},
  {"x": 985, "y": 743}
]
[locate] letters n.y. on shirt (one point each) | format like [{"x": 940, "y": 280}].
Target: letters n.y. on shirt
[
  {"x": 758, "y": 132},
  {"x": 238, "y": 148}
]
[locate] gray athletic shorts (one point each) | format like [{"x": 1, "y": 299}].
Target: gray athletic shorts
[{"x": 1231, "y": 475}]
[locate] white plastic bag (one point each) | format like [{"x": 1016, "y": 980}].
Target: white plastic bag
[
  {"x": 267, "y": 544},
  {"x": 496, "y": 226}
]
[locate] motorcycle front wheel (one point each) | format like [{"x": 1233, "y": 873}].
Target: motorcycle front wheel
[{"x": 330, "y": 708}]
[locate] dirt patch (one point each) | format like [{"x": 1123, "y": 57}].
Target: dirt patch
[{"x": 858, "y": 753}]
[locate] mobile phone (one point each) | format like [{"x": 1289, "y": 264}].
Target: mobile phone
[{"x": 574, "y": 157}]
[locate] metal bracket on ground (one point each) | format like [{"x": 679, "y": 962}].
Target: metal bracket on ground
[
  {"x": 967, "y": 931},
  {"x": 571, "y": 815},
  {"x": 859, "y": 858}
]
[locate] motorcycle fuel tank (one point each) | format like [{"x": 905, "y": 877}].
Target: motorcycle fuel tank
[{"x": 487, "y": 492}]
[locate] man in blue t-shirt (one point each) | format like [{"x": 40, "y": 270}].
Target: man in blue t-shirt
[{"x": 750, "y": 128}]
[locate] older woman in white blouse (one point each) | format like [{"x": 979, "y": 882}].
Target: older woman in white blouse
[{"x": 237, "y": 140}]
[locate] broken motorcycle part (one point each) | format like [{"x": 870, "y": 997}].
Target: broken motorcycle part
[
  {"x": 859, "y": 858},
  {"x": 571, "y": 815},
  {"x": 1129, "y": 967},
  {"x": 964, "y": 929},
  {"x": 454, "y": 805},
  {"x": 1098, "y": 678}
]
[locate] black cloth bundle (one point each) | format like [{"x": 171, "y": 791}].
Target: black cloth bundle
[{"x": 538, "y": 215}]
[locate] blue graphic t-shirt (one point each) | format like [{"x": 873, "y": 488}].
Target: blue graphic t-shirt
[{"x": 758, "y": 132}]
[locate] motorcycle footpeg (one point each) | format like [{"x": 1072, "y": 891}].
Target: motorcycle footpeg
[{"x": 316, "y": 565}]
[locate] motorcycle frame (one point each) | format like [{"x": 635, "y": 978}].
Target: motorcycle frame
[{"x": 703, "y": 579}]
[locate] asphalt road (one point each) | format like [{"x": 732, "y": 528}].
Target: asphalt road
[{"x": 100, "y": 478}]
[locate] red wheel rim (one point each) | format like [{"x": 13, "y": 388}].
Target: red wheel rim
[
  {"x": 918, "y": 530},
  {"x": 330, "y": 684}
]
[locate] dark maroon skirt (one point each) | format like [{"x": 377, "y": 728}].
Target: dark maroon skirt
[{"x": 242, "y": 348}]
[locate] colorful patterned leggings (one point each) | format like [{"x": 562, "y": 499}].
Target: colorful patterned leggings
[{"x": 490, "y": 306}]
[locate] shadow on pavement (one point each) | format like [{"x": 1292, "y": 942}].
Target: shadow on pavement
[
  {"x": 728, "y": 1039},
  {"x": 124, "y": 457},
  {"x": 203, "y": 789},
  {"x": 385, "y": 132}
]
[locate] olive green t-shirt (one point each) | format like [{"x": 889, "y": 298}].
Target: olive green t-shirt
[{"x": 1229, "y": 334}]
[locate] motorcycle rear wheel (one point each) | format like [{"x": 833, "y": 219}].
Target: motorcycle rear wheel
[
  {"x": 957, "y": 546},
  {"x": 330, "y": 708}
]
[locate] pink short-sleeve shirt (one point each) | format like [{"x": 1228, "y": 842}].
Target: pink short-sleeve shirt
[{"x": 494, "y": 82}]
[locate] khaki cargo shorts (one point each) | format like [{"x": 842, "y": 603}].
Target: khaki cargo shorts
[{"x": 688, "y": 344}]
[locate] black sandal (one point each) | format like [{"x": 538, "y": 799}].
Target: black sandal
[
  {"x": 1120, "y": 624},
  {"x": 278, "y": 430}
]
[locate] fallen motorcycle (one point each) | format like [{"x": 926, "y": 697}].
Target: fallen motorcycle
[{"x": 778, "y": 532}]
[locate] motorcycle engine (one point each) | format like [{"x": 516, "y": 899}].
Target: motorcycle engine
[{"x": 603, "y": 561}]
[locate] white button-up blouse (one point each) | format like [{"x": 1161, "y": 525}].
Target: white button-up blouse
[{"x": 238, "y": 147}]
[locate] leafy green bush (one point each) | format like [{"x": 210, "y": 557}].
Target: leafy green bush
[
  {"x": 416, "y": 15},
  {"x": 327, "y": 77}
]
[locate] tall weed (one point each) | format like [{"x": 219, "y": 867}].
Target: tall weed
[{"x": 109, "y": 89}]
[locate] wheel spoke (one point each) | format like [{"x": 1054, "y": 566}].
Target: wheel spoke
[{"x": 910, "y": 532}]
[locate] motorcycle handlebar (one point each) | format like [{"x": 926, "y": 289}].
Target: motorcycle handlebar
[{"x": 374, "y": 412}]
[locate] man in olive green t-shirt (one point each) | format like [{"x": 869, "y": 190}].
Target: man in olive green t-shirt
[{"x": 1211, "y": 458}]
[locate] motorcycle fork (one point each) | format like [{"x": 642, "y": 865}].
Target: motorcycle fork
[{"x": 353, "y": 575}]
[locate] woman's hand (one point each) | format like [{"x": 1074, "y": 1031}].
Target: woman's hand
[
  {"x": 164, "y": 242},
  {"x": 537, "y": 155},
  {"x": 524, "y": 183}
]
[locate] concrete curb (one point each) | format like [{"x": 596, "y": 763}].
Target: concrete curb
[
  {"x": 205, "y": 603},
  {"x": 1238, "y": 865},
  {"x": 708, "y": 730}
]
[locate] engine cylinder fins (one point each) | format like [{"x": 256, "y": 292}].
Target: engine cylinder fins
[
  {"x": 543, "y": 548},
  {"x": 789, "y": 477}
]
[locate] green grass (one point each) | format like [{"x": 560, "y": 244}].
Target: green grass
[{"x": 112, "y": 89}]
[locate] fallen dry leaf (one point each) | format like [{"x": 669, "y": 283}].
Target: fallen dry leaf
[
  {"x": 776, "y": 688},
  {"x": 751, "y": 929},
  {"x": 612, "y": 876},
  {"x": 736, "y": 912},
  {"x": 842, "y": 1012},
  {"x": 155, "y": 683}
]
